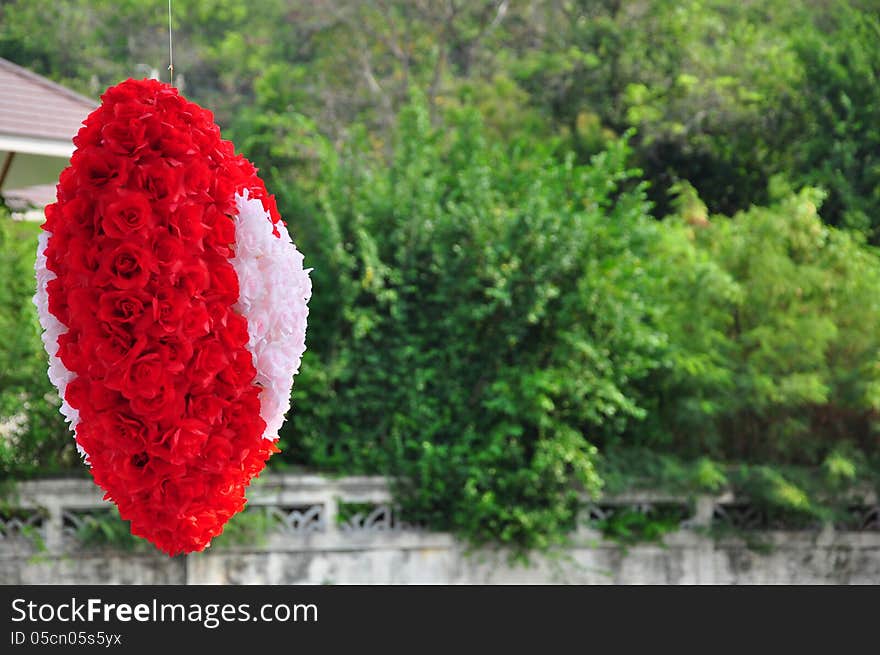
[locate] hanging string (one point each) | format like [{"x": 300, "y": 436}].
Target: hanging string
[{"x": 170, "y": 48}]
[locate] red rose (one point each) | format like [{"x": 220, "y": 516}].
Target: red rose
[
  {"x": 210, "y": 359},
  {"x": 134, "y": 473},
  {"x": 102, "y": 398},
  {"x": 186, "y": 223},
  {"x": 130, "y": 93},
  {"x": 197, "y": 177},
  {"x": 67, "y": 184},
  {"x": 128, "y": 215},
  {"x": 90, "y": 133},
  {"x": 193, "y": 278},
  {"x": 82, "y": 260},
  {"x": 162, "y": 181},
  {"x": 196, "y": 322},
  {"x": 223, "y": 192},
  {"x": 134, "y": 112},
  {"x": 128, "y": 433},
  {"x": 176, "y": 143},
  {"x": 127, "y": 266},
  {"x": 176, "y": 352},
  {"x": 55, "y": 252},
  {"x": 166, "y": 407},
  {"x": 77, "y": 393},
  {"x": 124, "y": 136},
  {"x": 221, "y": 232},
  {"x": 246, "y": 407},
  {"x": 236, "y": 333},
  {"x": 168, "y": 251},
  {"x": 69, "y": 350},
  {"x": 58, "y": 300},
  {"x": 114, "y": 344},
  {"x": 79, "y": 212},
  {"x": 206, "y": 135},
  {"x": 96, "y": 167},
  {"x": 219, "y": 312},
  {"x": 182, "y": 442},
  {"x": 122, "y": 306},
  {"x": 241, "y": 369},
  {"x": 52, "y": 213},
  {"x": 224, "y": 284},
  {"x": 169, "y": 100},
  {"x": 218, "y": 453},
  {"x": 83, "y": 305},
  {"x": 168, "y": 307},
  {"x": 224, "y": 149},
  {"x": 207, "y": 407},
  {"x": 239, "y": 169}
]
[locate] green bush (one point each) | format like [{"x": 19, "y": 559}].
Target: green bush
[
  {"x": 33, "y": 436},
  {"x": 772, "y": 319},
  {"x": 839, "y": 149},
  {"x": 477, "y": 321}
]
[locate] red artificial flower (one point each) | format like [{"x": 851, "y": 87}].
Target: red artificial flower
[
  {"x": 122, "y": 306},
  {"x": 96, "y": 167},
  {"x": 128, "y": 215},
  {"x": 125, "y": 136},
  {"x": 127, "y": 266},
  {"x": 113, "y": 344},
  {"x": 79, "y": 214},
  {"x": 141, "y": 237},
  {"x": 207, "y": 407},
  {"x": 168, "y": 307},
  {"x": 186, "y": 224}
]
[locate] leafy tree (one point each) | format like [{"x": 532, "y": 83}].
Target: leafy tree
[
  {"x": 708, "y": 85},
  {"x": 33, "y": 436},
  {"x": 480, "y": 322},
  {"x": 772, "y": 322},
  {"x": 840, "y": 101}
]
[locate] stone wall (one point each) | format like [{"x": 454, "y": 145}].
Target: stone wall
[{"x": 316, "y": 538}]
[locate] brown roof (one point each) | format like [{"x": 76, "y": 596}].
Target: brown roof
[{"x": 33, "y": 106}]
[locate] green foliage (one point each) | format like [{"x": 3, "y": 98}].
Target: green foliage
[
  {"x": 248, "y": 528},
  {"x": 106, "y": 529},
  {"x": 8, "y": 514},
  {"x": 634, "y": 468},
  {"x": 788, "y": 496},
  {"x": 840, "y": 468},
  {"x": 773, "y": 491},
  {"x": 628, "y": 526},
  {"x": 772, "y": 322},
  {"x": 840, "y": 104},
  {"x": 729, "y": 94},
  {"x": 480, "y": 321},
  {"x": 709, "y": 100},
  {"x": 31, "y": 426}
]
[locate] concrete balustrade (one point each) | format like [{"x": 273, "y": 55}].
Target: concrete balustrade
[{"x": 346, "y": 530}]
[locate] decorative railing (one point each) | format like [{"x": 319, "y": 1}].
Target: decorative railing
[{"x": 303, "y": 507}]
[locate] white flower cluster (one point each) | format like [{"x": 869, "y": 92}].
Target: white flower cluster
[
  {"x": 274, "y": 290},
  {"x": 59, "y": 375}
]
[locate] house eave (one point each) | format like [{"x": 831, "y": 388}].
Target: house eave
[{"x": 36, "y": 145}]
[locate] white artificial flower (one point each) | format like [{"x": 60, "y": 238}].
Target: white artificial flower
[{"x": 274, "y": 290}]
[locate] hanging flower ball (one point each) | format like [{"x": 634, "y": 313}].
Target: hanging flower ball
[{"x": 174, "y": 307}]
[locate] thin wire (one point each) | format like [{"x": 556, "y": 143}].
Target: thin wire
[{"x": 170, "y": 48}]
